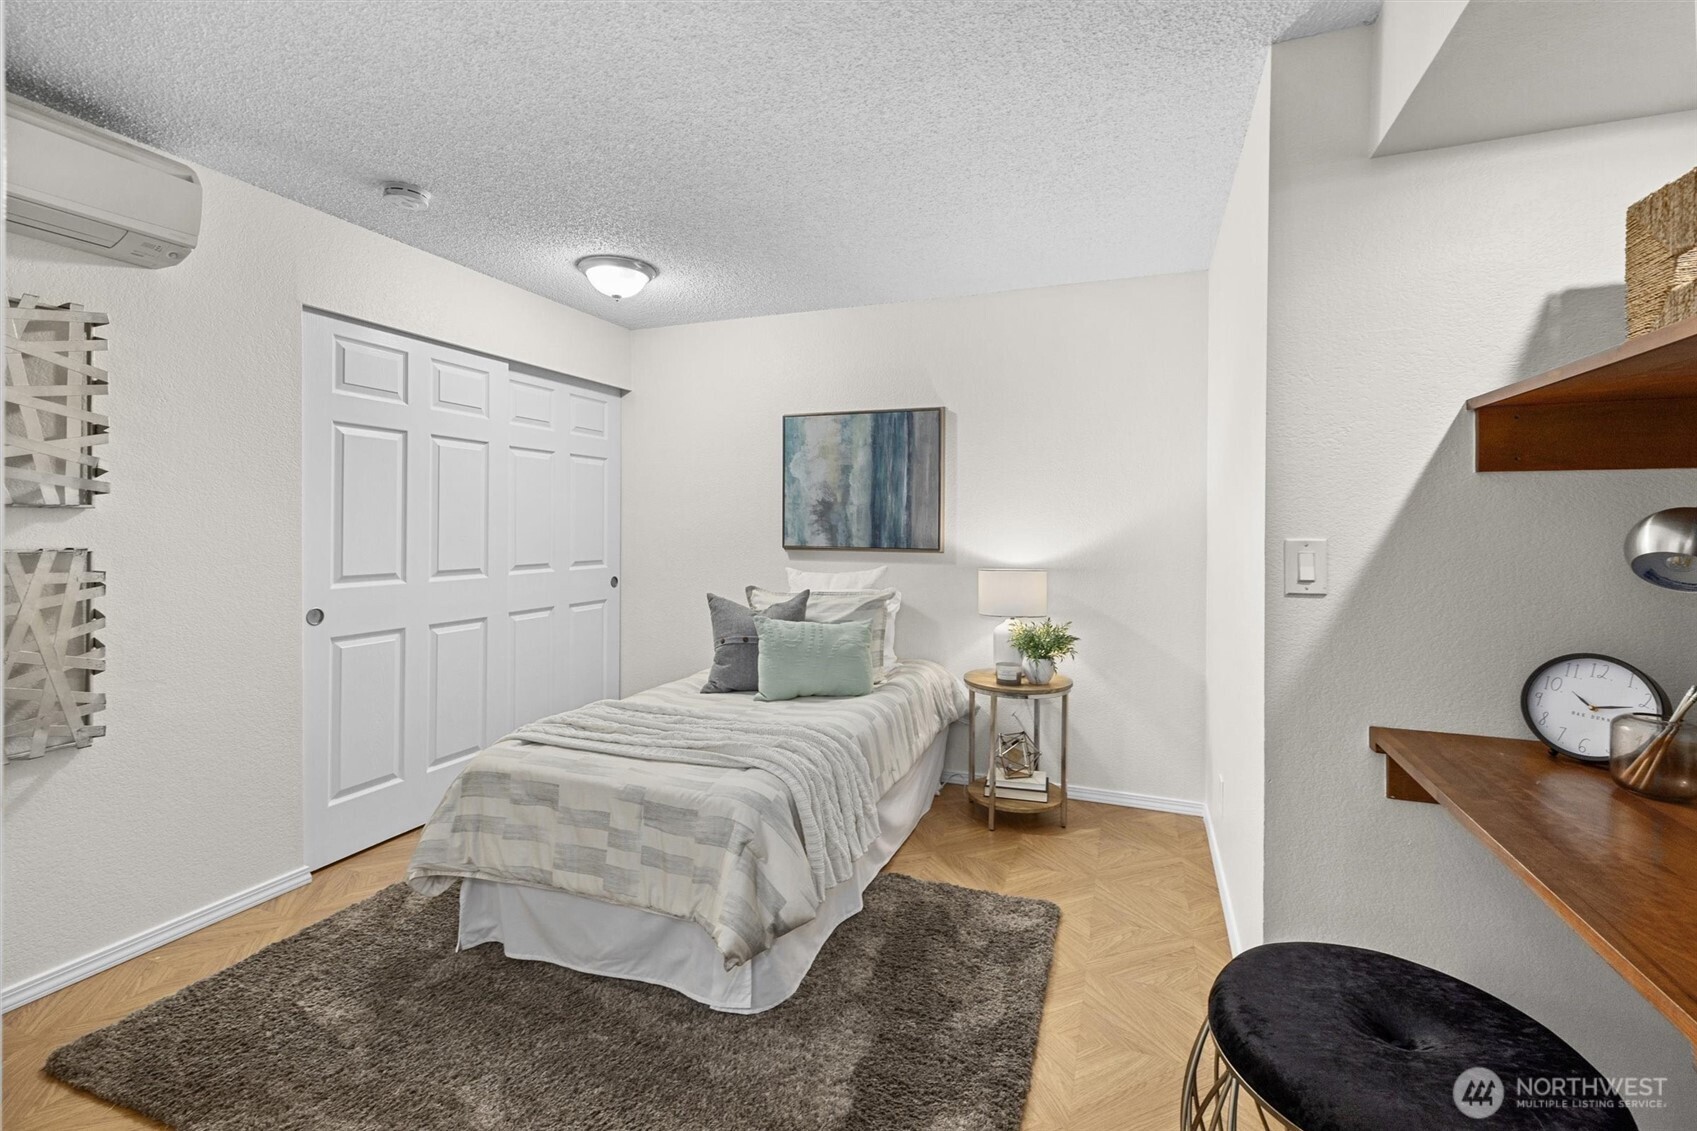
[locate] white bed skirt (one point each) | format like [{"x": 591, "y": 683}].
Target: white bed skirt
[{"x": 627, "y": 942}]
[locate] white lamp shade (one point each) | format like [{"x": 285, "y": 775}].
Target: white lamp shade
[{"x": 1013, "y": 592}]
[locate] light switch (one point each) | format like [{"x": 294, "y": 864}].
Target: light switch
[{"x": 1305, "y": 566}]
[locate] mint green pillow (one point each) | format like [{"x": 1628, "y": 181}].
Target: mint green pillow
[{"x": 800, "y": 658}]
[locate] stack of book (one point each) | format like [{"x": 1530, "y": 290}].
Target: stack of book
[{"x": 1034, "y": 788}]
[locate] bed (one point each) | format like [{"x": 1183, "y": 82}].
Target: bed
[{"x": 707, "y": 843}]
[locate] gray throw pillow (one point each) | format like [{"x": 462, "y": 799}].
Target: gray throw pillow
[{"x": 736, "y": 643}]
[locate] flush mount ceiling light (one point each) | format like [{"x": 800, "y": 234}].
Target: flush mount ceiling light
[
  {"x": 616, "y": 276},
  {"x": 1662, "y": 549},
  {"x": 402, "y": 195}
]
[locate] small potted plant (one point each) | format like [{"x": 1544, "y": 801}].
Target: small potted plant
[{"x": 1043, "y": 644}]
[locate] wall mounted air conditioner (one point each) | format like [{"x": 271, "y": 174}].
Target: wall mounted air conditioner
[{"x": 76, "y": 185}]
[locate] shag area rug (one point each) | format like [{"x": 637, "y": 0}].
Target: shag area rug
[{"x": 921, "y": 1014}]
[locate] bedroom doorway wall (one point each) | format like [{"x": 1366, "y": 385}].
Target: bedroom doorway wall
[{"x": 460, "y": 534}]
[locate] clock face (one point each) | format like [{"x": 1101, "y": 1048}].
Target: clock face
[{"x": 1570, "y": 701}]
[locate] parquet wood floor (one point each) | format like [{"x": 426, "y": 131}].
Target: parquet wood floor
[{"x": 1141, "y": 939}]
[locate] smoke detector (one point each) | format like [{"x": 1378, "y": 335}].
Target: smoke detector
[{"x": 410, "y": 197}]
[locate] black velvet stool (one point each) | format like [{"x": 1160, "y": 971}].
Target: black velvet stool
[{"x": 1334, "y": 1038}]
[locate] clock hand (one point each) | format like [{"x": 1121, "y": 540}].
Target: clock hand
[
  {"x": 1614, "y": 707},
  {"x": 1583, "y": 700}
]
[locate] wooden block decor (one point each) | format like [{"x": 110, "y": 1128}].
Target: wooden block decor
[
  {"x": 52, "y": 429},
  {"x": 51, "y": 652},
  {"x": 1661, "y": 257}
]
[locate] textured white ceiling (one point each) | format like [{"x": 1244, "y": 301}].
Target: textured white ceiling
[{"x": 767, "y": 157}]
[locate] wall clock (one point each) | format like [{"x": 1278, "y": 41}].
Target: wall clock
[{"x": 1570, "y": 701}]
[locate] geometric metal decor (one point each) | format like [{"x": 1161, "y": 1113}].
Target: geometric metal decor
[
  {"x": 51, "y": 652},
  {"x": 52, "y": 430}
]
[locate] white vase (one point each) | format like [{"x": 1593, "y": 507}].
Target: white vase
[{"x": 1039, "y": 672}]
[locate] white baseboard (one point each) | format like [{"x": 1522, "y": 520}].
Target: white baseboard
[
  {"x": 1233, "y": 937},
  {"x": 40, "y": 985},
  {"x": 1119, "y": 797},
  {"x": 1135, "y": 800}
]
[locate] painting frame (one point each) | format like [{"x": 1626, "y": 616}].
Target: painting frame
[{"x": 926, "y": 506}]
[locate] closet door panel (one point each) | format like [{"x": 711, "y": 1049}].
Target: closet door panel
[{"x": 460, "y": 544}]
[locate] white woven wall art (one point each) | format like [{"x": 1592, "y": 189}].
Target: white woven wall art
[
  {"x": 51, "y": 651},
  {"x": 52, "y": 428}
]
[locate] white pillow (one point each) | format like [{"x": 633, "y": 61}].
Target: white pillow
[
  {"x": 892, "y": 606},
  {"x": 849, "y": 604},
  {"x": 836, "y": 582},
  {"x": 861, "y": 580}
]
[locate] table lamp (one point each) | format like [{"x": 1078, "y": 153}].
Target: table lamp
[{"x": 1011, "y": 593}]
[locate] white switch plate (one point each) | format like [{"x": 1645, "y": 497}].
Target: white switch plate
[{"x": 1295, "y": 549}]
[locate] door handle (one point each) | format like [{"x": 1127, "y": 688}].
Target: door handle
[
  {"x": 315, "y": 617},
  {"x": 615, "y": 581}
]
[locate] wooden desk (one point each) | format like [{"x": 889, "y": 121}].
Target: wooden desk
[{"x": 1619, "y": 868}]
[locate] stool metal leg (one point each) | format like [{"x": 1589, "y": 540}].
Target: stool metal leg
[{"x": 1211, "y": 1104}]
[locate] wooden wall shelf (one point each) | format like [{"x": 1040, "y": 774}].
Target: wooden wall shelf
[
  {"x": 1634, "y": 406},
  {"x": 1620, "y": 869}
]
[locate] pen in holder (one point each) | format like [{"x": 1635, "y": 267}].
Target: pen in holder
[{"x": 1654, "y": 756}]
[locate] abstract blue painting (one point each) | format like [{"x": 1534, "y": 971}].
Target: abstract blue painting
[{"x": 864, "y": 480}]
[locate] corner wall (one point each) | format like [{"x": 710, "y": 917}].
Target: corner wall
[
  {"x": 1400, "y": 286},
  {"x": 1073, "y": 441},
  {"x": 1237, "y": 527},
  {"x": 1407, "y": 37},
  {"x": 194, "y": 795}
]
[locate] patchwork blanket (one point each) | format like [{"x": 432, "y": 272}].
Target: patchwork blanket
[{"x": 732, "y": 813}]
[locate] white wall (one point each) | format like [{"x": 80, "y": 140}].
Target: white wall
[
  {"x": 1399, "y": 286},
  {"x": 1235, "y": 637},
  {"x": 195, "y": 793},
  {"x": 1451, "y": 73},
  {"x": 1407, "y": 37},
  {"x": 1074, "y": 441}
]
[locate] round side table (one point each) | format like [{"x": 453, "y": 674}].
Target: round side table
[{"x": 981, "y": 791}]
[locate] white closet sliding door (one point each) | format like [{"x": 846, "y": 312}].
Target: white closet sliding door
[{"x": 460, "y": 568}]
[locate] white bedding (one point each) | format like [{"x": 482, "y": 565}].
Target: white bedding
[
  {"x": 719, "y": 847},
  {"x": 623, "y": 942},
  {"x": 818, "y": 762}
]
